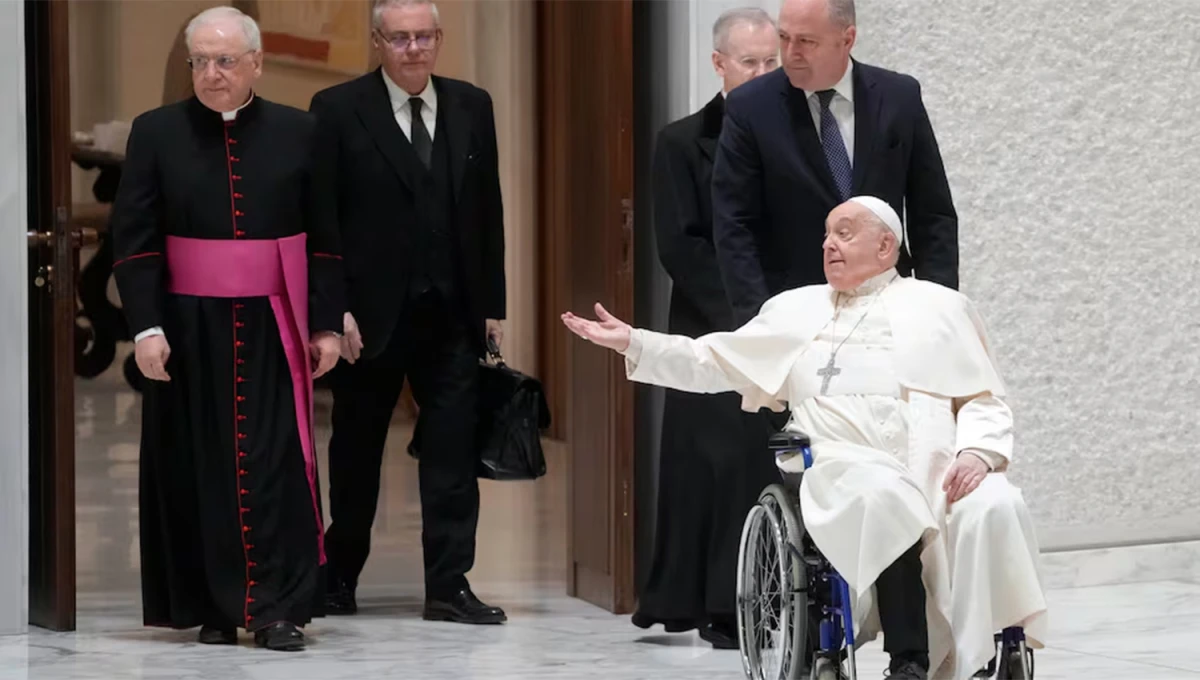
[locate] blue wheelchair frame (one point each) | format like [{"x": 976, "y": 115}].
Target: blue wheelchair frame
[
  {"x": 836, "y": 626},
  {"x": 835, "y": 630}
]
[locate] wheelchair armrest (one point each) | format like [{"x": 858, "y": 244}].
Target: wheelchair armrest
[{"x": 788, "y": 441}]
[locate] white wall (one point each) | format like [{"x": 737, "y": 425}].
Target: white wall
[
  {"x": 14, "y": 391},
  {"x": 1071, "y": 141}
]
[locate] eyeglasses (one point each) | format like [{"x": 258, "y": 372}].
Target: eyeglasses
[
  {"x": 224, "y": 62},
  {"x": 753, "y": 64},
  {"x": 423, "y": 40}
]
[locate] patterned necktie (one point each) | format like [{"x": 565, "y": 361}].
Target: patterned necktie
[
  {"x": 421, "y": 142},
  {"x": 835, "y": 148}
]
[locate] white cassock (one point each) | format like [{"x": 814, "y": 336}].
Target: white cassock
[{"x": 916, "y": 385}]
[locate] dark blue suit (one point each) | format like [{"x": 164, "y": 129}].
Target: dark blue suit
[{"x": 772, "y": 188}]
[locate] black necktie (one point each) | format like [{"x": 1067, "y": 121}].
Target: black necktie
[{"x": 421, "y": 142}]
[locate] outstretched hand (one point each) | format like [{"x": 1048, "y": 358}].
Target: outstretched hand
[{"x": 608, "y": 331}]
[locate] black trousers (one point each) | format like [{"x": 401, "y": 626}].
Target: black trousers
[
  {"x": 430, "y": 346},
  {"x": 901, "y": 595}
]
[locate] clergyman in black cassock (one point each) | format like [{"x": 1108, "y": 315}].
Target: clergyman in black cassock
[
  {"x": 713, "y": 460},
  {"x": 230, "y": 519}
]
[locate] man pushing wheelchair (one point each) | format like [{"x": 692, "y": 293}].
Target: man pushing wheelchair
[{"x": 893, "y": 381}]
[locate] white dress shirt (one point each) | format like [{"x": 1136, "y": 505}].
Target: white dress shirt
[
  {"x": 402, "y": 108},
  {"x": 842, "y": 108}
]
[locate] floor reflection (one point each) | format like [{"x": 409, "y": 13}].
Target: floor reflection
[{"x": 522, "y": 525}]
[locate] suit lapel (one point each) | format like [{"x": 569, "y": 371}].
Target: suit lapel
[
  {"x": 711, "y": 118},
  {"x": 375, "y": 111},
  {"x": 866, "y": 125},
  {"x": 456, "y": 121},
  {"x": 800, "y": 118}
]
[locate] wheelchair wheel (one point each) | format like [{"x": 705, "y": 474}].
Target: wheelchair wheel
[
  {"x": 826, "y": 669},
  {"x": 771, "y": 579}
]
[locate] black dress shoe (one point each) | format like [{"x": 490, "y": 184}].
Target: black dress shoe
[
  {"x": 281, "y": 637},
  {"x": 670, "y": 625},
  {"x": 210, "y": 635},
  {"x": 339, "y": 601},
  {"x": 462, "y": 607},
  {"x": 719, "y": 636},
  {"x": 907, "y": 670}
]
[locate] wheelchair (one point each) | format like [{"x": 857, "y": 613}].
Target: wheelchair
[{"x": 793, "y": 609}]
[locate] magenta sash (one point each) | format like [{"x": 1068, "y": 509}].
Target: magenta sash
[{"x": 260, "y": 268}]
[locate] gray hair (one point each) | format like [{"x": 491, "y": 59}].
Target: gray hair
[
  {"x": 380, "y": 5},
  {"x": 841, "y": 13},
  {"x": 214, "y": 14},
  {"x": 755, "y": 16}
]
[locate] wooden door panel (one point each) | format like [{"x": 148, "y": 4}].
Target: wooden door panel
[
  {"x": 586, "y": 83},
  {"x": 53, "y": 263}
]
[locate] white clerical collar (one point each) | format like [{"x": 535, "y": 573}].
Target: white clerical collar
[
  {"x": 232, "y": 115},
  {"x": 844, "y": 87},
  {"x": 399, "y": 96},
  {"x": 875, "y": 283}
]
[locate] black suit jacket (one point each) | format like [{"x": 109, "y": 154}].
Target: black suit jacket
[
  {"x": 683, "y": 161},
  {"x": 772, "y": 188},
  {"x": 359, "y": 138}
]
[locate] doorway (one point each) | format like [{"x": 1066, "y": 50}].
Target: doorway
[{"x": 583, "y": 219}]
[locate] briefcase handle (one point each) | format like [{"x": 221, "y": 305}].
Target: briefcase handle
[{"x": 494, "y": 351}]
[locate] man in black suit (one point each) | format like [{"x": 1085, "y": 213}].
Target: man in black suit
[
  {"x": 713, "y": 465},
  {"x": 417, "y": 189},
  {"x": 800, "y": 141},
  {"x": 795, "y": 144}
]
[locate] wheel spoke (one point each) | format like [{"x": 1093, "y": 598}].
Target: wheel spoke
[{"x": 770, "y": 599}]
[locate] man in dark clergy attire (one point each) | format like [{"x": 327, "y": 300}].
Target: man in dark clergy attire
[
  {"x": 714, "y": 461},
  {"x": 416, "y": 183},
  {"x": 229, "y": 273}
]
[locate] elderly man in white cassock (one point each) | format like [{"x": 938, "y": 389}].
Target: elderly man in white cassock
[{"x": 894, "y": 382}]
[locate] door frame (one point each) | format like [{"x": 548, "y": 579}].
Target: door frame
[{"x": 53, "y": 267}]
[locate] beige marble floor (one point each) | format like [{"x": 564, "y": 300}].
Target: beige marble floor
[
  {"x": 522, "y": 526},
  {"x": 1139, "y": 631}
]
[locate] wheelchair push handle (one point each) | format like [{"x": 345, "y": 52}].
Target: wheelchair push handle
[
  {"x": 789, "y": 442},
  {"x": 786, "y": 445}
]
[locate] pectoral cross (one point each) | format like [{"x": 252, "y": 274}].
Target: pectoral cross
[{"x": 827, "y": 374}]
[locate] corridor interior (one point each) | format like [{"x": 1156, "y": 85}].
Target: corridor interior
[{"x": 1142, "y": 631}]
